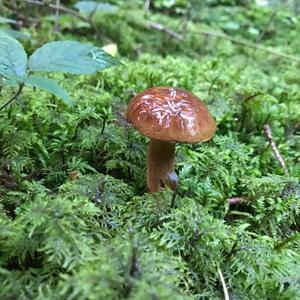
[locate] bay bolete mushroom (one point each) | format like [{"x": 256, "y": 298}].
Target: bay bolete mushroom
[{"x": 168, "y": 115}]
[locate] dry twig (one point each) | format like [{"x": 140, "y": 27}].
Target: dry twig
[
  {"x": 226, "y": 295},
  {"x": 68, "y": 11},
  {"x": 220, "y": 35},
  {"x": 268, "y": 134},
  {"x": 236, "y": 200},
  {"x": 56, "y": 27},
  {"x": 247, "y": 44},
  {"x": 162, "y": 28}
]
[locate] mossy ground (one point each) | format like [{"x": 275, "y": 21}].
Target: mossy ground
[{"x": 75, "y": 219}]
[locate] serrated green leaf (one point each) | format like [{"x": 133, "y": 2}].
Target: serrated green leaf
[
  {"x": 92, "y": 6},
  {"x": 11, "y": 81},
  {"x": 50, "y": 86},
  {"x": 7, "y": 21},
  {"x": 13, "y": 58},
  {"x": 70, "y": 57},
  {"x": 19, "y": 35}
]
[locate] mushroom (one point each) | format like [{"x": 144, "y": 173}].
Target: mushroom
[{"x": 168, "y": 115}]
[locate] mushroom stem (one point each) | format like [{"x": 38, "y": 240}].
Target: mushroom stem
[{"x": 161, "y": 155}]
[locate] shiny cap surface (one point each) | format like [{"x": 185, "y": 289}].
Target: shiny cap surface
[{"x": 171, "y": 114}]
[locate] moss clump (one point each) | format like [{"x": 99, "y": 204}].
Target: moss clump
[{"x": 75, "y": 221}]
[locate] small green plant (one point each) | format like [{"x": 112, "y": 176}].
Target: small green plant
[{"x": 61, "y": 56}]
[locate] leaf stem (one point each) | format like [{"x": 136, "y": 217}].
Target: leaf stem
[
  {"x": 279, "y": 158},
  {"x": 18, "y": 92},
  {"x": 246, "y": 43},
  {"x": 103, "y": 124}
]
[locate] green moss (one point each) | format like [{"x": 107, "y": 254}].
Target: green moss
[{"x": 75, "y": 221}]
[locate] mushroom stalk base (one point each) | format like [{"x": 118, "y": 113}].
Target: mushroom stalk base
[{"x": 161, "y": 155}]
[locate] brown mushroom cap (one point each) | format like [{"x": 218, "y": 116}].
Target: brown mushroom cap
[{"x": 171, "y": 114}]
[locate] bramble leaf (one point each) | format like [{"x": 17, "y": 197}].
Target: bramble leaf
[
  {"x": 70, "y": 57},
  {"x": 7, "y": 21},
  {"x": 13, "y": 58},
  {"x": 50, "y": 86},
  {"x": 19, "y": 35}
]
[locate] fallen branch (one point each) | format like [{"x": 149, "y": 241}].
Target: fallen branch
[
  {"x": 162, "y": 28},
  {"x": 68, "y": 11},
  {"x": 247, "y": 44},
  {"x": 174, "y": 34},
  {"x": 268, "y": 134},
  {"x": 220, "y": 35}
]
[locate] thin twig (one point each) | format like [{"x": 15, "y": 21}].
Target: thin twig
[
  {"x": 268, "y": 134},
  {"x": 56, "y": 27},
  {"x": 147, "y": 5},
  {"x": 266, "y": 28},
  {"x": 220, "y": 35},
  {"x": 18, "y": 92},
  {"x": 68, "y": 11},
  {"x": 246, "y": 44},
  {"x": 162, "y": 28},
  {"x": 236, "y": 200},
  {"x": 91, "y": 14},
  {"x": 226, "y": 295}
]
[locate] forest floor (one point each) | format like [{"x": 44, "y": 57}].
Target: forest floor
[{"x": 76, "y": 221}]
